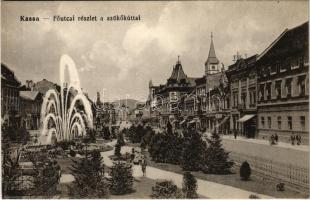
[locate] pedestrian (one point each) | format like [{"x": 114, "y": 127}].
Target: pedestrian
[
  {"x": 298, "y": 139},
  {"x": 235, "y": 133},
  {"x": 143, "y": 166},
  {"x": 132, "y": 156},
  {"x": 272, "y": 139},
  {"x": 293, "y": 139},
  {"x": 276, "y": 138}
]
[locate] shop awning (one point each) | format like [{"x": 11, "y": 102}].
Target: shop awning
[
  {"x": 191, "y": 122},
  {"x": 223, "y": 121},
  {"x": 245, "y": 118},
  {"x": 182, "y": 122}
]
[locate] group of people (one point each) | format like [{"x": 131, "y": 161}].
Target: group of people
[
  {"x": 296, "y": 138},
  {"x": 274, "y": 139}
]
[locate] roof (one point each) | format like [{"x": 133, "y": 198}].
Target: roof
[
  {"x": 212, "y": 59},
  {"x": 178, "y": 73},
  {"x": 242, "y": 63},
  {"x": 8, "y": 76},
  {"x": 213, "y": 80},
  {"x": 288, "y": 42},
  {"x": 28, "y": 95}
]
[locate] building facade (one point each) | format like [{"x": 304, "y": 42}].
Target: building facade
[
  {"x": 242, "y": 79},
  {"x": 283, "y": 86},
  {"x": 10, "y": 101},
  {"x": 31, "y": 102},
  {"x": 167, "y": 100}
]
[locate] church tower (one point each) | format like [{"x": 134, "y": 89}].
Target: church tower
[{"x": 212, "y": 64}]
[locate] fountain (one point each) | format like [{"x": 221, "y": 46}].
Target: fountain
[{"x": 67, "y": 114}]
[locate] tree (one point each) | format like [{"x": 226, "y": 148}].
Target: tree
[
  {"x": 165, "y": 189},
  {"x": 117, "y": 150},
  {"x": 245, "y": 171},
  {"x": 89, "y": 177},
  {"x": 194, "y": 149},
  {"x": 216, "y": 159},
  {"x": 121, "y": 181},
  {"x": 189, "y": 186},
  {"x": 10, "y": 174},
  {"x": 169, "y": 128}
]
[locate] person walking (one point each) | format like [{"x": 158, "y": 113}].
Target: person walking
[
  {"x": 132, "y": 156},
  {"x": 276, "y": 138},
  {"x": 272, "y": 139},
  {"x": 298, "y": 139},
  {"x": 293, "y": 139},
  {"x": 235, "y": 133},
  {"x": 143, "y": 166}
]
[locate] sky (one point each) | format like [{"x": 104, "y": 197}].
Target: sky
[{"x": 120, "y": 58}]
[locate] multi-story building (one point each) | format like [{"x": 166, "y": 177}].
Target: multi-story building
[
  {"x": 243, "y": 93},
  {"x": 31, "y": 102},
  {"x": 44, "y": 85},
  {"x": 10, "y": 101},
  {"x": 216, "y": 99},
  {"x": 283, "y": 86},
  {"x": 166, "y": 99}
]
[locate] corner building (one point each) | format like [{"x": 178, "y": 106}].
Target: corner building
[{"x": 283, "y": 86}]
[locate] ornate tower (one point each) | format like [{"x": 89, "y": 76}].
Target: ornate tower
[{"x": 212, "y": 63}]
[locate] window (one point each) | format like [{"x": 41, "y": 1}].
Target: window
[
  {"x": 268, "y": 91},
  {"x": 302, "y": 85},
  {"x": 262, "y": 93},
  {"x": 278, "y": 89},
  {"x": 302, "y": 122},
  {"x": 289, "y": 122},
  {"x": 269, "y": 122},
  {"x": 235, "y": 99},
  {"x": 279, "y": 122},
  {"x": 301, "y": 61},
  {"x": 273, "y": 69},
  {"x": 288, "y": 84},
  {"x": 213, "y": 67},
  {"x": 262, "y": 121}
]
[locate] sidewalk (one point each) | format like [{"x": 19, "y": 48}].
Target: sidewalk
[
  {"x": 304, "y": 148},
  {"x": 265, "y": 142}
]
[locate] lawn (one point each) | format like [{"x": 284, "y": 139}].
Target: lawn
[{"x": 256, "y": 184}]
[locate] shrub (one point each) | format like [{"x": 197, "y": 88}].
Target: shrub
[
  {"x": 189, "y": 186},
  {"x": 121, "y": 181},
  {"x": 165, "y": 189},
  {"x": 193, "y": 150},
  {"x": 89, "y": 178},
  {"x": 245, "y": 171},
  {"x": 72, "y": 153},
  {"x": 280, "y": 186},
  {"x": 216, "y": 160},
  {"x": 253, "y": 196},
  {"x": 117, "y": 150}
]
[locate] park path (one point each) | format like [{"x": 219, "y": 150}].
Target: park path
[{"x": 205, "y": 188}]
